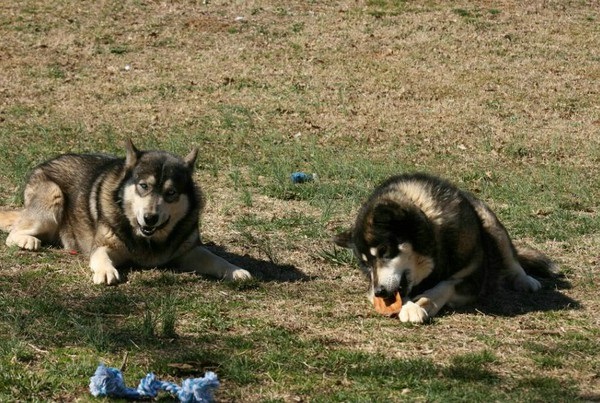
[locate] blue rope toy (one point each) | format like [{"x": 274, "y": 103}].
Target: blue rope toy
[{"x": 109, "y": 382}]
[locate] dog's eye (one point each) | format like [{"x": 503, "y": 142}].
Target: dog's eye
[
  {"x": 170, "y": 193},
  {"x": 143, "y": 186}
]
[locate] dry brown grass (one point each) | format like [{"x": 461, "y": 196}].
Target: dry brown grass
[{"x": 487, "y": 93}]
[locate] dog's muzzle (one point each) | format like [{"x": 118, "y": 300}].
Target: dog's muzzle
[
  {"x": 389, "y": 290},
  {"x": 149, "y": 230}
]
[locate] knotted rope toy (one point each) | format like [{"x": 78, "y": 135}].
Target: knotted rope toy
[{"x": 109, "y": 382}]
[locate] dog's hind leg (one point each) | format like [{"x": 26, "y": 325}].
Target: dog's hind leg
[
  {"x": 493, "y": 229},
  {"x": 8, "y": 218},
  {"x": 42, "y": 214}
]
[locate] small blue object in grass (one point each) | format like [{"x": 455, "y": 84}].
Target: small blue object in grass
[
  {"x": 302, "y": 177},
  {"x": 109, "y": 382}
]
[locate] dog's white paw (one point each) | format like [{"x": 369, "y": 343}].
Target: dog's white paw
[
  {"x": 238, "y": 275},
  {"x": 23, "y": 241},
  {"x": 526, "y": 283},
  {"x": 413, "y": 313},
  {"x": 108, "y": 276}
]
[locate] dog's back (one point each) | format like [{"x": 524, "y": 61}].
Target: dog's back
[{"x": 76, "y": 174}]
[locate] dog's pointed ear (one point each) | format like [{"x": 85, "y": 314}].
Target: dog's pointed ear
[
  {"x": 407, "y": 222},
  {"x": 385, "y": 214},
  {"x": 190, "y": 159},
  {"x": 344, "y": 239},
  {"x": 132, "y": 154}
]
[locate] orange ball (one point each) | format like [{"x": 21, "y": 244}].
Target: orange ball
[{"x": 388, "y": 306}]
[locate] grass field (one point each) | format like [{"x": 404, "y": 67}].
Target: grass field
[{"x": 503, "y": 98}]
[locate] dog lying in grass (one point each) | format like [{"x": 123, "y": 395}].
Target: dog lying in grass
[
  {"x": 141, "y": 211},
  {"x": 423, "y": 241}
]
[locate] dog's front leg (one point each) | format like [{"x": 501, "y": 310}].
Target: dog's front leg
[
  {"x": 201, "y": 260},
  {"x": 103, "y": 267},
  {"x": 429, "y": 303}
]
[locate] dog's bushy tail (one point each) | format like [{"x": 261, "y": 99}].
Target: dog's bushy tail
[
  {"x": 536, "y": 263},
  {"x": 8, "y": 218}
]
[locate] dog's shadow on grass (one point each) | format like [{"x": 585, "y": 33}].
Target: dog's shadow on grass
[
  {"x": 509, "y": 303},
  {"x": 261, "y": 270}
]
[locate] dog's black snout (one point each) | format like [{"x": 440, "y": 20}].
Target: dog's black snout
[
  {"x": 150, "y": 219},
  {"x": 381, "y": 292}
]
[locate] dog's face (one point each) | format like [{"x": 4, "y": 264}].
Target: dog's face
[
  {"x": 157, "y": 195},
  {"x": 385, "y": 242}
]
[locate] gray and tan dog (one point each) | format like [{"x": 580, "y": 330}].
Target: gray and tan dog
[
  {"x": 435, "y": 245},
  {"x": 137, "y": 211}
]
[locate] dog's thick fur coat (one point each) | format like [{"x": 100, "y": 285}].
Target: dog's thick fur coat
[
  {"x": 436, "y": 245},
  {"x": 139, "y": 211}
]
